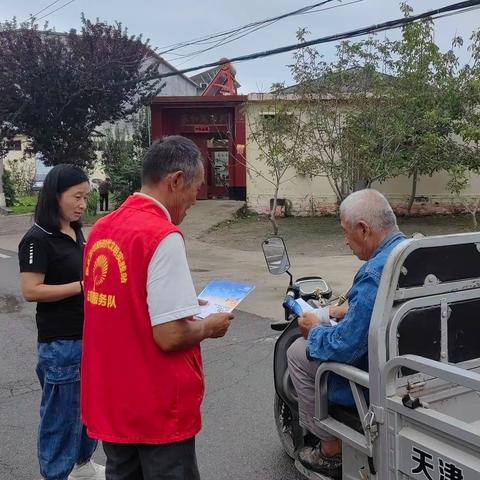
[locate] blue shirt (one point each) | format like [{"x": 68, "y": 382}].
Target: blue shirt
[{"x": 347, "y": 342}]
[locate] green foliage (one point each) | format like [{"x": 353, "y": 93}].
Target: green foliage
[
  {"x": 280, "y": 138},
  {"x": 92, "y": 203},
  {"x": 330, "y": 93},
  {"x": 369, "y": 142},
  {"x": 121, "y": 165},
  {"x": 25, "y": 204},
  {"x": 456, "y": 185},
  {"x": 425, "y": 121},
  {"x": 384, "y": 108},
  {"x": 22, "y": 171},
  {"x": 58, "y": 88},
  {"x": 468, "y": 86},
  {"x": 8, "y": 188},
  {"x": 122, "y": 154}
]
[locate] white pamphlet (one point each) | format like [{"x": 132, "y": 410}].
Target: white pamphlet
[{"x": 322, "y": 312}]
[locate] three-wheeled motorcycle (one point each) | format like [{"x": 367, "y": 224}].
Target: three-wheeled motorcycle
[{"x": 422, "y": 417}]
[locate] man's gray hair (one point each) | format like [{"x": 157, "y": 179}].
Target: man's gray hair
[
  {"x": 371, "y": 207},
  {"x": 171, "y": 154}
]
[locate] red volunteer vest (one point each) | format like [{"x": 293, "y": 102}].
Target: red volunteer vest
[{"x": 132, "y": 391}]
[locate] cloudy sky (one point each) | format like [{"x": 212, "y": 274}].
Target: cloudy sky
[{"x": 166, "y": 23}]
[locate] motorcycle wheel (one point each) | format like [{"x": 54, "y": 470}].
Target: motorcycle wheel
[{"x": 283, "y": 422}]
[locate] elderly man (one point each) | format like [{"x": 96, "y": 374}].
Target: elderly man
[
  {"x": 371, "y": 232},
  {"x": 142, "y": 376}
]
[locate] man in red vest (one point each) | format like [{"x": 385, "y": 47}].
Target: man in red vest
[{"x": 142, "y": 376}]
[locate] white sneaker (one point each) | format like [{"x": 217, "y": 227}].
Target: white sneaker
[{"x": 88, "y": 471}]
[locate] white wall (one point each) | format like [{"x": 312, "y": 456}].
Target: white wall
[
  {"x": 315, "y": 196},
  {"x": 176, "y": 85}
]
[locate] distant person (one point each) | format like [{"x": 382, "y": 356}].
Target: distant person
[
  {"x": 142, "y": 374},
  {"x": 50, "y": 256},
  {"x": 104, "y": 189}
]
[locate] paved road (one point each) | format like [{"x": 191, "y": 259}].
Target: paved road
[
  {"x": 209, "y": 261},
  {"x": 238, "y": 440}
]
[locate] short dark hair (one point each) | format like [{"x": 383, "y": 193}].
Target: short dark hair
[
  {"x": 59, "y": 179},
  {"x": 171, "y": 154}
]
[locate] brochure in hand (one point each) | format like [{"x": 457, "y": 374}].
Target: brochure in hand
[
  {"x": 321, "y": 312},
  {"x": 223, "y": 296}
]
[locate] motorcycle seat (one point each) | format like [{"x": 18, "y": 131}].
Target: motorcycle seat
[{"x": 346, "y": 415}]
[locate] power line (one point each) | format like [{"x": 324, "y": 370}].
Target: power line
[
  {"x": 34, "y": 15},
  {"x": 220, "y": 43},
  {"x": 456, "y": 8},
  {"x": 227, "y": 40},
  {"x": 332, "y": 8},
  {"x": 451, "y": 14},
  {"x": 56, "y": 10},
  {"x": 205, "y": 38}
]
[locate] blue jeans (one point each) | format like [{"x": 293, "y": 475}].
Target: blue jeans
[{"x": 62, "y": 439}]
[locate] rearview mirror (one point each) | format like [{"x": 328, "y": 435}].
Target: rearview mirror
[{"x": 276, "y": 255}]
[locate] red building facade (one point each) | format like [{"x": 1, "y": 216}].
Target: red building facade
[{"x": 217, "y": 126}]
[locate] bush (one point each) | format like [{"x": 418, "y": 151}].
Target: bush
[
  {"x": 22, "y": 173},
  {"x": 92, "y": 204},
  {"x": 122, "y": 154},
  {"x": 8, "y": 188},
  {"x": 24, "y": 205}
]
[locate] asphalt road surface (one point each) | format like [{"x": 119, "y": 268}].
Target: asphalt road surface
[{"x": 238, "y": 440}]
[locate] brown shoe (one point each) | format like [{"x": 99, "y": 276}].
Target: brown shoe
[{"x": 313, "y": 459}]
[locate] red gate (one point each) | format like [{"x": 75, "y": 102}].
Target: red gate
[{"x": 217, "y": 126}]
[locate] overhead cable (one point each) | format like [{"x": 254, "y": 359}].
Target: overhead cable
[
  {"x": 332, "y": 8},
  {"x": 56, "y": 10},
  {"x": 33, "y": 16},
  {"x": 389, "y": 25},
  {"x": 267, "y": 21},
  {"x": 228, "y": 39}
]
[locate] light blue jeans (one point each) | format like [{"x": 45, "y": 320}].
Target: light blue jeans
[{"x": 62, "y": 439}]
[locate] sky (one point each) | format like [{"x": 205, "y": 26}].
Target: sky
[{"x": 166, "y": 23}]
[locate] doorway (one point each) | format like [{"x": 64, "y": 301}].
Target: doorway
[{"x": 218, "y": 179}]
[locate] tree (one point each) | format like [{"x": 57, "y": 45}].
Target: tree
[
  {"x": 369, "y": 142},
  {"x": 466, "y": 107},
  {"x": 58, "y": 88},
  {"x": 456, "y": 185},
  {"x": 384, "y": 108},
  {"x": 280, "y": 138},
  {"x": 464, "y": 103},
  {"x": 422, "y": 96},
  {"x": 122, "y": 154},
  {"x": 347, "y": 91}
]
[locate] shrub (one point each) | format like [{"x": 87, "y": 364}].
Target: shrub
[
  {"x": 92, "y": 204},
  {"x": 25, "y": 204},
  {"x": 22, "y": 173},
  {"x": 122, "y": 153},
  {"x": 8, "y": 188}
]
